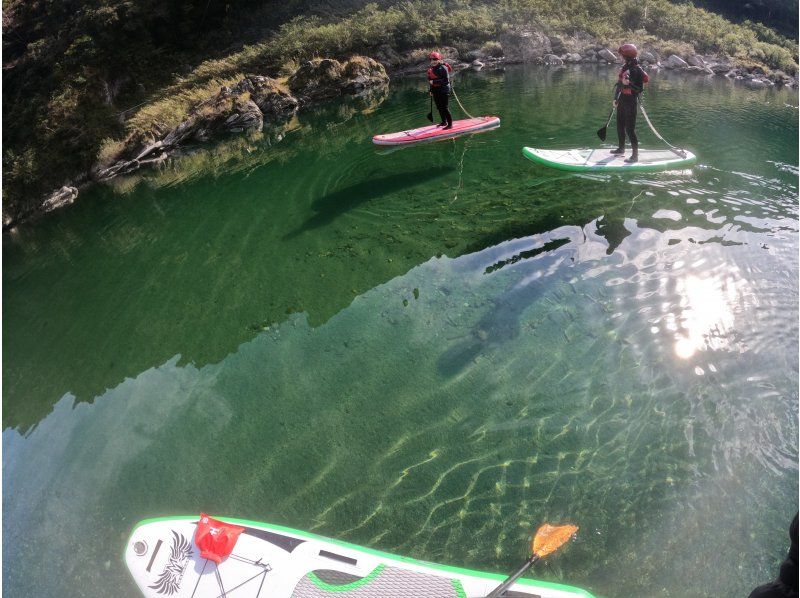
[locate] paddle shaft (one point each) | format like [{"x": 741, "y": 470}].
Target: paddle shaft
[
  {"x": 609, "y": 117},
  {"x": 501, "y": 589}
]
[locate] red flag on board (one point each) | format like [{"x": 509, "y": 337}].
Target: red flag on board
[{"x": 215, "y": 539}]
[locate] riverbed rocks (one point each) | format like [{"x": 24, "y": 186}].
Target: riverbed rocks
[{"x": 675, "y": 62}]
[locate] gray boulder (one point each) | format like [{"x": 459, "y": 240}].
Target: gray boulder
[
  {"x": 720, "y": 68},
  {"x": 696, "y": 60},
  {"x": 573, "y": 57},
  {"x": 557, "y": 45},
  {"x": 553, "y": 60},
  {"x": 647, "y": 58},
  {"x": 607, "y": 55},
  {"x": 274, "y": 102},
  {"x": 361, "y": 73},
  {"x": 326, "y": 78},
  {"x": 525, "y": 46},
  {"x": 317, "y": 79},
  {"x": 477, "y": 65},
  {"x": 675, "y": 62}
]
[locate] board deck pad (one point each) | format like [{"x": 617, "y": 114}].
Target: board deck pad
[
  {"x": 594, "y": 160},
  {"x": 434, "y": 133},
  {"x": 278, "y": 562}
]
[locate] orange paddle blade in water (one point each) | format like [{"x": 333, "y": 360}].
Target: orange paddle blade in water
[{"x": 550, "y": 537}]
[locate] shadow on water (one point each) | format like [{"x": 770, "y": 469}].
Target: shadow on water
[
  {"x": 335, "y": 204},
  {"x": 501, "y": 323}
]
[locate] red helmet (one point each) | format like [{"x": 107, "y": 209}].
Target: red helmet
[
  {"x": 628, "y": 50},
  {"x": 435, "y": 56}
]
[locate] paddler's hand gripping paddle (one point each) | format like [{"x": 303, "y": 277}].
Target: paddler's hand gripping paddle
[{"x": 548, "y": 539}]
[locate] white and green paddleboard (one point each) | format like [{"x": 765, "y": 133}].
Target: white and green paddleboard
[
  {"x": 278, "y": 562},
  {"x": 601, "y": 160}
]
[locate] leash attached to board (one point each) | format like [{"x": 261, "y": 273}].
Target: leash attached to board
[{"x": 674, "y": 149}]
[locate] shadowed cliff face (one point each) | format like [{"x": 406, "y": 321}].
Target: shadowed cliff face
[{"x": 197, "y": 258}]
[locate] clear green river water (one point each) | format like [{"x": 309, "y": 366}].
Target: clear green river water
[{"x": 429, "y": 351}]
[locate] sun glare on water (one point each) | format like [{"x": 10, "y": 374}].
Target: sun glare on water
[{"x": 706, "y": 318}]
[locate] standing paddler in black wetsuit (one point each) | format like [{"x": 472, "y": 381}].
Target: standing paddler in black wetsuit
[
  {"x": 439, "y": 79},
  {"x": 630, "y": 84}
]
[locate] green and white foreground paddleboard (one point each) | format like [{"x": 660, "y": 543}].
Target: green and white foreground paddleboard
[
  {"x": 601, "y": 160},
  {"x": 278, "y": 562}
]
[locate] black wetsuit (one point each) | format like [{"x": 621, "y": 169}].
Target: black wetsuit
[
  {"x": 439, "y": 78},
  {"x": 627, "y": 102}
]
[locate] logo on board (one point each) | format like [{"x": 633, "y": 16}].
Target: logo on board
[{"x": 169, "y": 580}]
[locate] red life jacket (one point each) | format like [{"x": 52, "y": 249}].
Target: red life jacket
[
  {"x": 633, "y": 88},
  {"x": 436, "y": 81}
]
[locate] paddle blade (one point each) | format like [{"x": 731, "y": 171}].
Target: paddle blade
[
  {"x": 549, "y": 538},
  {"x": 601, "y": 133},
  {"x": 429, "y": 116}
]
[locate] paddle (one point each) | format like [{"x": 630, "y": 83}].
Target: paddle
[
  {"x": 601, "y": 132},
  {"x": 548, "y": 539},
  {"x": 429, "y": 116}
]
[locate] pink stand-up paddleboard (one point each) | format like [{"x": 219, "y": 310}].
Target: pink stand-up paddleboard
[{"x": 434, "y": 133}]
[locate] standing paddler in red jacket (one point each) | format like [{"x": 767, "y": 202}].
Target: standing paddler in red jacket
[
  {"x": 439, "y": 79},
  {"x": 630, "y": 84}
]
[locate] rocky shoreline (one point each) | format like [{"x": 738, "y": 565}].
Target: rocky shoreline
[{"x": 258, "y": 100}]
